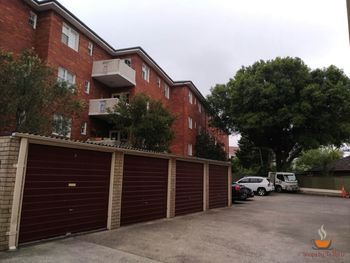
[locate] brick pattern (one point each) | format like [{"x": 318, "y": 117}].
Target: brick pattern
[
  {"x": 16, "y": 33},
  {"x": 9, "y": 148},
  {"x": 117, "y": 190},
  {"x": 172, "y": 187}
]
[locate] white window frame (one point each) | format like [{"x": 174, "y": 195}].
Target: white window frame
[
  {"x": 199, "y": 107},
  {"x": 87, "y": 87},
  {"x": 158, "y": 82},
  {"x": 145, "y": 72},
  {"x": 190, "y": 123},
  {"x": 33, "y": 19},
  {"x": 71, "y": 35},
  {"x": 90, "y": 48},
  {"x": 83, "y": 129},
  {"x": 61, "y": 118},
  {"x": 190, "y": 97},
  {"x": 65, "y": 75},
  {"x": 189, "y": 149},
  {"x": 166, "y": 91}
]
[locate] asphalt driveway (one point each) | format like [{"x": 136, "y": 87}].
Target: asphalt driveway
[{"x": 275, "y": 228}]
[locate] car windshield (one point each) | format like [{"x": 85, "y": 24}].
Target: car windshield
[{"x": 289, "y": 177}]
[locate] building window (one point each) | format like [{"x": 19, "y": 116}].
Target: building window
[
  {"x": 70, "y": 37},
  {"x": 158, "y": 82},
  {"x": 189, "y": 149},
  {"x": 199, "y": 107},
  {"x": 87, "y": 87},
  {"x": 127, "y": 61},
  {"x": 62, "y": 126},
  {"x": 190, "y": 97},
  {"x": 195, "y": 125},
  {"x": 83, "y": 128},
  {"x": 90, "y": 48},
  {"x": 33, "y": 18},
  {"x": 145, "y": 72},
  {"x": 66, "y": 76},
  {"x": 189, "y": 122},
  {"x": 166, "y": 91}
]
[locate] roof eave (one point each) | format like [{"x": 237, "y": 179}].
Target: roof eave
[{"x": 72, "y": 19}]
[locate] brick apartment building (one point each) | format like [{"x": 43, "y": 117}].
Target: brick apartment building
[{"x": 101, "y": 73}]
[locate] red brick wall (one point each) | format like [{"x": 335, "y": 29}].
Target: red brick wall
[
  {"x": 15, "y": 31},
  {"x": 142, "y": 86},
  {"x": 78, "y": 62},
  {"x": 176, "y": 105}
]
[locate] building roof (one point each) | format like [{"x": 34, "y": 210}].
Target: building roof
[
  {"x": 54, "y": 5},
  {"x": 67, "y": 142},
  {"x": 340, "y": 165}
]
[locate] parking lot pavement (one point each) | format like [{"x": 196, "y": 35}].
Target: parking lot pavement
[{"x": 275, "y": 228}]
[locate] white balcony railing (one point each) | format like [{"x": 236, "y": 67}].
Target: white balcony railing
[
  {"x": 100, "y": 106},
  {"x": 113, "y": 73}
]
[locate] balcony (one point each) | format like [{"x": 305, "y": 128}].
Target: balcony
[
  {"x": 99, "y": 107},
  {"x": 113, "y": 73}
]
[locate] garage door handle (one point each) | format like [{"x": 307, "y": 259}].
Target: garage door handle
[
  {"x": 71, "y": 209},
  {"x": 72, "y": 184}
]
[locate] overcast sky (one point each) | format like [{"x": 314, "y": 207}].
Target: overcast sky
[{"x": 207, "y": 41}]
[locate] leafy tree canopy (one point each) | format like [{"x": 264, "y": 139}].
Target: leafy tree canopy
[
  {"x": 30, "y": 95},
  {"x": 253, "y": 158},
  {"x": 146, "y": 121},
  {"x": 285, "y": 106},
  {"x": 207, "y": 147},
  {"x": 317, "y": 158}
]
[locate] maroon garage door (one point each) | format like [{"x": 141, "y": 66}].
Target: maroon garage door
[
  {"x": 65, "y": 191},
  {"x": 144, "y": 194},
  {"x": 218, "y": 186},
  {"x": 189, "y": 188}
]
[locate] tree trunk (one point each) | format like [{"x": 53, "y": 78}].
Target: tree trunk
[{"x": 279, "y": 161}]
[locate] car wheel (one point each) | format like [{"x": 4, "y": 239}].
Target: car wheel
[
  {"x": 244, "y": 195},
  {"x": 261, "y": 191},
  {"x": 278, "y": 189}
]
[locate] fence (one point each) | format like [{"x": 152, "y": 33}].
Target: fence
[{"x": 334, "y": 182}]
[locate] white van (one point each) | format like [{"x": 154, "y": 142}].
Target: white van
[
  {"x": 260, "y": 185},
  {"x": 284, "y": 181}
]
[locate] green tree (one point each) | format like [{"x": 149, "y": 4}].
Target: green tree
[
  {"x": 30, "y": 95},
  {"x": 317, "y": 158},
  {"x": 207, "y": 147},
  {"x": 285, "y": 106},
  {"x": 253, "y": 158},
  {"x": 146, "y": 121}
]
